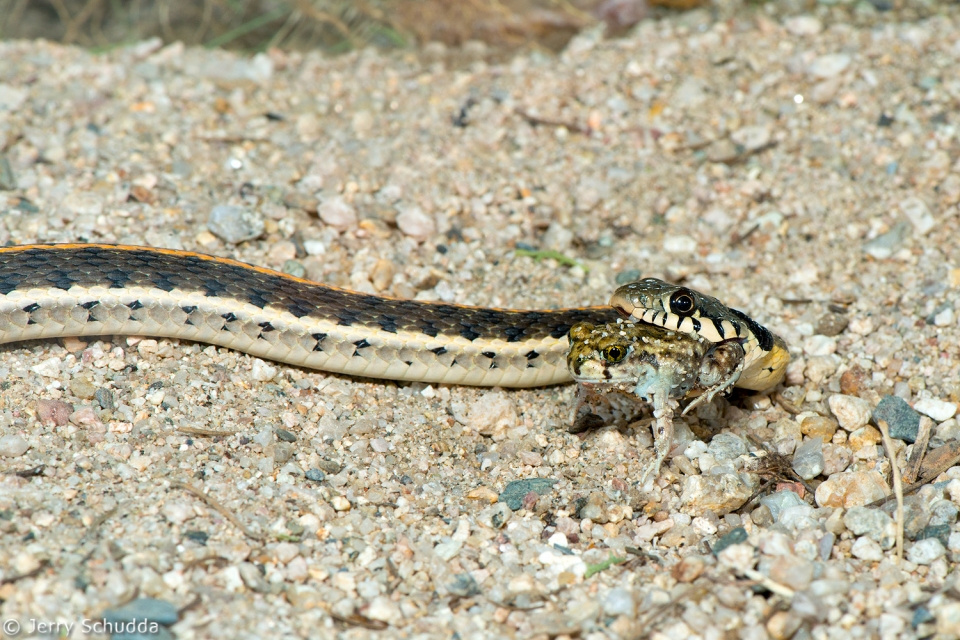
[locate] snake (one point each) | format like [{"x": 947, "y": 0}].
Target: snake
[
  {"x": 77, "y": 290},
  {"x": 684, "y": 310}
]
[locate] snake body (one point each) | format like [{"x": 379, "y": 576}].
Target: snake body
[{"x": 52, "y": 291}]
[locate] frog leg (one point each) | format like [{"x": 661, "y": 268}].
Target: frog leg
[
  {"x": 719, "y": 370},
  {"x": 664, "y": 408}
]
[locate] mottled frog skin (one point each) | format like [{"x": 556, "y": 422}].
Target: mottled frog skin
[{"x": 618, "y": 365}]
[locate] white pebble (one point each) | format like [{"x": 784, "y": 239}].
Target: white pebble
[
  {"x": 286, "y": 551},
  {"x": 926, "y": 551},
  {"x": 937, "y": 409},
  {"x": 262, "y": 372},
  {"x": 679, "y": 244},
  {"x": 13, "y": 446},
  {"x": 830, "y": 65},
  {"x": 945, "y": 318},
  {"x": 851, "y": 412},
  {"x": 492, "y": 415},
  {"x": 384, "y": 609},
  {"x": 739, "y": 557},
  {"x": 49, "y": 368},
  {"x": 867, "y": 549},
  {"x": 414, "y": 222},
  {"x": 338, "y": 213},
  {"x": 918, "y": 214},
  {"x": 752, "y": 138},
  {"x": 803, "y": 25},
  {"x": 177, "y": 512},
  {"x": 819, "y": 345}
]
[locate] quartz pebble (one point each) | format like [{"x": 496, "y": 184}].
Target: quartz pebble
[
  {"x": 337, "y": 213},
  {"x": 808, "y": 458},
  {"x": 925, "y": 551},
  {"x": 414, "y": 222},
  {"x": 851, "y": 489},
  {"x": 234, "y": 224},
  {"x": 851, "y": 412},
  {"x": 13, "y": 446},
  {"x": 937, "y": 409}
]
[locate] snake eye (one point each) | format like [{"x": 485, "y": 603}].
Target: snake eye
[
  {"x": 614, "y": 353},
  {"x": 681, "y": 303}
]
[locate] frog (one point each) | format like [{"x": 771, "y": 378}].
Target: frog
[{"x": 622, "y": 366}]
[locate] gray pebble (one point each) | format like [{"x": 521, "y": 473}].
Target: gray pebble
[
  {"x": 885, "y": 245},
  {"x": 873, "y": 523},
  {"x": 252, "y": 577},
  {"x": 105, "y": 398},
  {"x": 152, "y": 609},
  {"x": 8, "y": 181},
  {"x": 330, "y": 466},
  {"x": 628, "y": 276},
  {"x": 726, "y": 446},
  {"x": 779, "y": 501},
  {"x": 903, "y": 421},
  {"x": 513, "y": 493},
  {"x": 13, "y": 446},
  {"x": 294, "y": 268},
  {"x": 734, "y": 536},
  {"x": 234, "y": 224},
  {"x": 619, "y": 601},
  {"x": 315, "y": 475},
  {"x": 942, "y": 512},
  {"x": 808, "y": 458},
  {"x": 285, "y": 435},
  {"x": 463, "y": 585}
]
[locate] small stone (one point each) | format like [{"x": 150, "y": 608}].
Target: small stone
[
  {"x": 808, "y": 458},
  {"x": 285, "y": 435},
  {"x": 340, "y": 503},
  {"x": 261, "y": 371},
  {"x": 885, "y": 245},
  {"x": 82, "y": 387},
  {"x": 829, "y": 65},
  {"x": 721, "y": 493},
  {"x": 937, "y": 409},
  {"x": 11, "y": 98},
  {"x": 752, "y": 138},
  {"x": 792, "y": 571},
  {"x": 832, "y": 324},
  {"x": 926, "y": 551},
  {"x": 782, "y": 625},
  {"x": 836, "y": 458},
  {"x": 338, "y": 213},
  {"x": 382, "y": 274},
  {"x": 414, "y": 222},
  {"x": 726, "y": 446},
  {"x": 803, "y": 26},
  {"x": 315, "y": 475},
  {"x": 384, "y": 609},
  {"x": 917, "y": 212},
  {"x": 873, "y": 523},
  {"x": 780, "y": 501},
  {"x": 902, "y": 420},
  {"x": 819, "y": 368},
  {"x": 55, "y": 412},
  {"x": 944, "y": 318},
  {"x": 252, "y": 577},
  {"x": 105, "y": 398},
  {"x": 619, "y": 601},
  {"x": 818, "y": 345},
  {"x": 818, "y": 426},
  {"x": 492, "y": 415},
  {"x": 679, "y": 244},
  {"x": 851, "y": 489},
  {"x": 235, "y": 224},
  {"x": 867, "y": 549},
  {"x": 49, "y": 368},
  {"x": 688, "y": 569},
  {"x": 13, "y": 446},
  {"x": 948, "y": 620},
  {"x": 151, "y": 609},
  {"x": 515, "y": 491},
  {"x": 851, "y": 381},
  {"x": 851, "y": 412},
  {"x": 286, "y": 551},
  {"x": 739, "y": 557},
  {"x": 864, "y": 437},
  {"x": 628, "y": 276}
]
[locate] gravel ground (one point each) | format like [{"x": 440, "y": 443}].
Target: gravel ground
[{"x": 803, "y": 170}]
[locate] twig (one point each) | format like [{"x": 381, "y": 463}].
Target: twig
[
  {"x": 219, "y": 508},
  {"x": 28, "y": 574},
  {"x": 768, "y": 584},
  {"x": 197, "y": 431},
  {"x": 31, "y": 472},
  {"x": 910, "y": 488},
  {"x": 537, "y": 120},
  {"x": 919, "y": 450},
  {"x": 897, "y": 483}
]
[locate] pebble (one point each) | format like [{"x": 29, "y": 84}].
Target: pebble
[
  {"x": 832, "y": 324},
  {"x": 818, "y": 345},
  {"x": 792, "y": 571},
  {"x": 515, "y": 491},
  {"x": 619, "y": 601},
  {"x": 384, "y": 609},
  {"x": 679, "y": 244},
  {"x": 11, "y": 98},
  {"x": 803, "y": 25},
  {"x": 851, "y": 412},
  {"x": 720, "y": 493},
  {"x": 726, "y": 446},
  {"x": 864, "y": 438},
  {"x": 414, "y": 222},
  {"x": 867, "y": 549},
  {"x": 937, "y": 409},
  {"x": 819, "y": 368},
  {"x": 492, "y": 415},
  {"x": 105, "y": 398},
  {"x": 917, "y": 212},
  {"x": 752, "y": 138},
  {"x": 49, "y": 368},
  {"x": 782, "y": 625},
  {"x": 261, "y": 371},
  {"x": 13, "y": 446},
  {"x": 739, "y": 557},
  {"x": 234, "y": 224},
  {"x": 251, "y": 576},
  {"x": 873, "y": 523},
  {"x": 55, "y": 412},
  {"x": 924, "y": 552},
  {"x": 851, "y": 489},
  {"x": 780, "y": 500},
  {"x": 152, "y": 609},
  {"x": 818, "y": 426},
  {"x": 808, "y": 458},
  {"x": 886, "y": 244},
  {"x": 828, "y": 66},
  {"x": 836, "y": 458},
  {"x": 338, "y": 213},
  {"x": 902, "y": 420},
  {"x": 945, "y": 318}
]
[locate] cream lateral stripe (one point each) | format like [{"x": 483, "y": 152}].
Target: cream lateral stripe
[{"x": 279, "y": 335}]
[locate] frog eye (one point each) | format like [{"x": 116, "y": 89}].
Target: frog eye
[
  {"x": 682, "y": 303},
  {"x": 615, "y": 353}
]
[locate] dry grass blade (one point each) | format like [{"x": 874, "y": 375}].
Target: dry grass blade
[
  {"x": 897, "y": 483},
  {"x": 197, "y": 431},
  {"x": 219, "y": 508}
]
